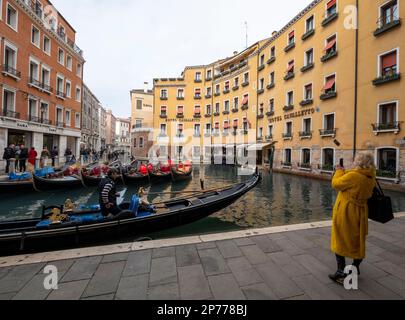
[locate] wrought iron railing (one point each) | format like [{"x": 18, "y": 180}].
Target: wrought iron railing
[{"x": 11, "y": 70}]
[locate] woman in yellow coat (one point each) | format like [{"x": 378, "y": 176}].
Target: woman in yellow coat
[{"x": 350, "y": 214}]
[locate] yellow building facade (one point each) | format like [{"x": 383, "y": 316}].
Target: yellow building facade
[{"x": 326, "y": 86}]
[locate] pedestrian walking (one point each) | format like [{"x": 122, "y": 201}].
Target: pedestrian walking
[
  {"x": 45, "y": 155},
  {"x": 32, "y": 157},
  {"x": 350, "y": 213},
  {"x": 68, "y": 155}
]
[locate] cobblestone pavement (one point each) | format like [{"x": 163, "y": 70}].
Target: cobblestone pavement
[{"x": 288, "y": 265}]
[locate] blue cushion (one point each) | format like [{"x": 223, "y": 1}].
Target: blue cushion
[{"x": 135, "y": 201}]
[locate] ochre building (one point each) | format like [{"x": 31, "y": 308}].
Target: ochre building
[{"x": 325, "y": 87}]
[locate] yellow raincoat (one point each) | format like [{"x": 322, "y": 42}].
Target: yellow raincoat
[{"x": 350, "y": 214}]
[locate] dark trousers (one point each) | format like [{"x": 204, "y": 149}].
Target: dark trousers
[
  {"x": 23, "y": 165},
  {"x": 7, "y": 166},
  {"x": 53, "y": 162},
  {"x": 115, "y": 210},
  {"x": 341, "y": 262}
]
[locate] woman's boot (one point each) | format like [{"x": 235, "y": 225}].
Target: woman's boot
[{"x": 340, "y": 276}]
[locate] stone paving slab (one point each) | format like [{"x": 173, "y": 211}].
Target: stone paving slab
[{"x": 289, "y": 265}]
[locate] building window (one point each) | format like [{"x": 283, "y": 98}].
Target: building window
[
  {"x": 307, "y": 126},
  {"x": 272, "y": 78},
  {"x": 8, "y": 102},
  {"x": 331, "y": 8},
  {"x": 217, "y": 89},
  {"x": 47, "y": 45},
  {"x": 271, "y": 105},
  {"x": 291, "y": 38},
  {"x": 290, "y": 98},
  {"x": 226, "y": 106},
  {"x": 262, "y": 60},
  {"x": 305, "y": 157},
  {"x": 287, "y": 157},
  {"x": 308, "y": 92},
  {"x": 141, "y": 142},
  {"x": 78, "y": 94},
  {"x": 288, "y": 128},
  {"x": 138, "y": 123},
  {"x": 180, "y": 93},
  {"x": 196, "y": 152},
  {"x": 198, "y": 76},
  {"x": 59, "y": 86},
  {"x": 209, "y": 74},
  {"x": 209, "y": 92},
  {"x": 197, "y": 110},
  {"x": 67, "y": 117},
  {"x": 328, "y": 159},
  {"x": 389, "y": 13},
  {"x": 387, "y": 117},
  {"x": 331, "y": 45},
  {"x": 290, "y": 68},
  {"x": 329, "y": 123},
  {"x": 139, "y": 104},
  {"x": 135, "y": 145},
  {"x": 208, "y": 128},
  {"x": 34, "y": 72},
  {"x": 35, "y": 37},
  {"x": 227, "y": 86},
  {"x": 260, "y": 133},
  {"x": 388, "y": 64},
  {"x": 197, "y": 93},
  {"x": 261, "y": 84},
  {"x": 270, "y": 131},
  {"x": 180, "y": 110},
  {"x": 61, "y": 56},
  {"x": 309, "y": 57},
  {"x": 273, "y": 52},
  {"x": 163, "y": 111},
  {"x": 69, "y": 63},
  {"x": 217, "y": 107},
  {"x": 10, "y": 58},
  {"x": 236, "y": 82},
  {"x": 236, "y": 103},
  {"x": 330, "y": 85},
  {"x": 77, "y": 120},
  {"x": 163, "y": 94},
  {"x": 246, "y": 78},
  {"x": 12, "y": 17},
  {"x": 387, "y": 164},
  {"x": 309, "y": 24},
  {"x": 208, "y": 109},
  {"x": 197, "y": 130},
  {"x": 163, "y": 129},
  {"x": 79, "y": 70},
  {"x": 180, "y": 129}
]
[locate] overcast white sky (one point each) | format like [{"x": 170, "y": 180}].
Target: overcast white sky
[{"x": 128, "y": 42}]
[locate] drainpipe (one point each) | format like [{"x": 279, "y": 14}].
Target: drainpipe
[{"x": 356, "y": 82}]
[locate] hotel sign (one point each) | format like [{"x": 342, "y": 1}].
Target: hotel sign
[
  {"x": 182, "y": 120},
  {"x": 297, "y": 114}
]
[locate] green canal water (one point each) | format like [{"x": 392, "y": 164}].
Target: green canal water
[{"x": 279, "y": 200}]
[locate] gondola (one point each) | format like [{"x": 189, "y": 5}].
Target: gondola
[
  {"x": 45, "y": 184},
  {"x": 7, "y": 187},
  {"x": 89, "y": 180},
  {"x": 181, "y": 175},
  {"x": 39, "y": 234},
  {"x": 134, "y": 178},
  {"x": 160, "y": 177}
]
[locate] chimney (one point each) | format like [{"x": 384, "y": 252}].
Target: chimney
[
  {"x": 145, "y": 87},
  {"x": 274, "y": 33},
  {"x": 235, "y": 53}
]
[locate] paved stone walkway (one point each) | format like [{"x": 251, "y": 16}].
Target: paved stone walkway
[{"x": 288, "y": 265}]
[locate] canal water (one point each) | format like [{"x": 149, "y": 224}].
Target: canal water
[{"x": 280, "y": 199}]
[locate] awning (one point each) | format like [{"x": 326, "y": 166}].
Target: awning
[
  {"x": 330, "y": 44},
  {"x": 329, "y": 84},
  {"x": 258, "y": 147}
]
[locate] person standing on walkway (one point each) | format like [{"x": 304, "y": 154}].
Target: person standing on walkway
[
  {"x": 350, "y": 213},
  {"x": 23, "y": 158},
  {"x": 45, "y": 155},
  {"x": 32, "y": 156},
  {"x": 9, "y": 153},
  {"x": 17, "y": 152},
  {"x": 54, "y": 155},
  {"x": 68, "y": 155},
  {"x": 108, "y": 194}
]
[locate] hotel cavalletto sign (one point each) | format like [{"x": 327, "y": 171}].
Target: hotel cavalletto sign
[{"x": 292, "y": 115}]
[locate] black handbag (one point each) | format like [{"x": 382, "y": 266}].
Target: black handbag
[{"x": 380, "y": 206}]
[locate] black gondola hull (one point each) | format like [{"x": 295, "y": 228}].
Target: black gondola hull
[
  {"x": 42, "y": 184},
  {"x": 179, "y": 176},
  {"x": 32, "y": 241},
  {"x": 11, "y": 187},
  {"x": 138, "y": 179}
]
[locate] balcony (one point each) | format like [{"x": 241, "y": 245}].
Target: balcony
[
  {"x": 180, "y": 116},
  {"x": 60, "y": 95},
  {"x": 226, "y": 112},
  {"x": 309, "y": 66},
  {"x": 242, "y": 64},
  {"x": 163, "y": 98},
  {"x": 328, "y": 95},
  {"x": 389, "y": 77},
  {"x": 289, "y": 76},
  {"x": 308, "y": 34},
  {"x": 289, "y": 107},
  {"x": 197, "y": 81},
  {"x": 270, "y": 113},
  {"x": 260, "y": 91},
  {"x": 259, "y": 139},
  {"x": 386, "y": 127},
  {"x": 235, "y": 88},
  {"x": 163, "y": 116},
  {"x": 306, "y": 134},
  {"x": 217, "y": 94},
  {"x": 39, "y": 85},
  {"x": 329, "y": 18},
  {"x": 60, "y": 124},
  {"x": 306, "y": 102},
  {"x": 197, "y": 116},
  {"x": 329, "y": 55},
  {"x": 287, "y": 136},
  {"x": 34, "y": 119},
  {"x": 234, "y": 68},
  {"x": 208, "y": 115},
  {"x": 180, "y": 98},
  {"x": 271, "y": 86},
  {"x": 197, "y": 135},
  {"x": 260, "y": 68},
  {"x": 383, "y": 26},
  {"x": 216, "y": 114},
  {"x": 245, "y": 107},
  {"x": 197, "y": 97},
  {"x": 226, "y": 91},
  {"x": 289, "y": 47},
  {"x": 328, "y": 133},
  {"x": 208, "y": 96},
  {"x": 235, "y": 110},
  {"x": 11, "y": 114},
  {"x": 11, "y": 72},
  {"x": 269, "y": 137},
  {"x": 271, "y": 60},
  {"x": 260, "y": 116},
  {"x": 225, "y": 73},
  {"x": 245, "y": 84},
  {"x": 217, "y": 76}
]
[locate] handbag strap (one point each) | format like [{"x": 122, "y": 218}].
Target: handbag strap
[{"x": 379, "y": 187}]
